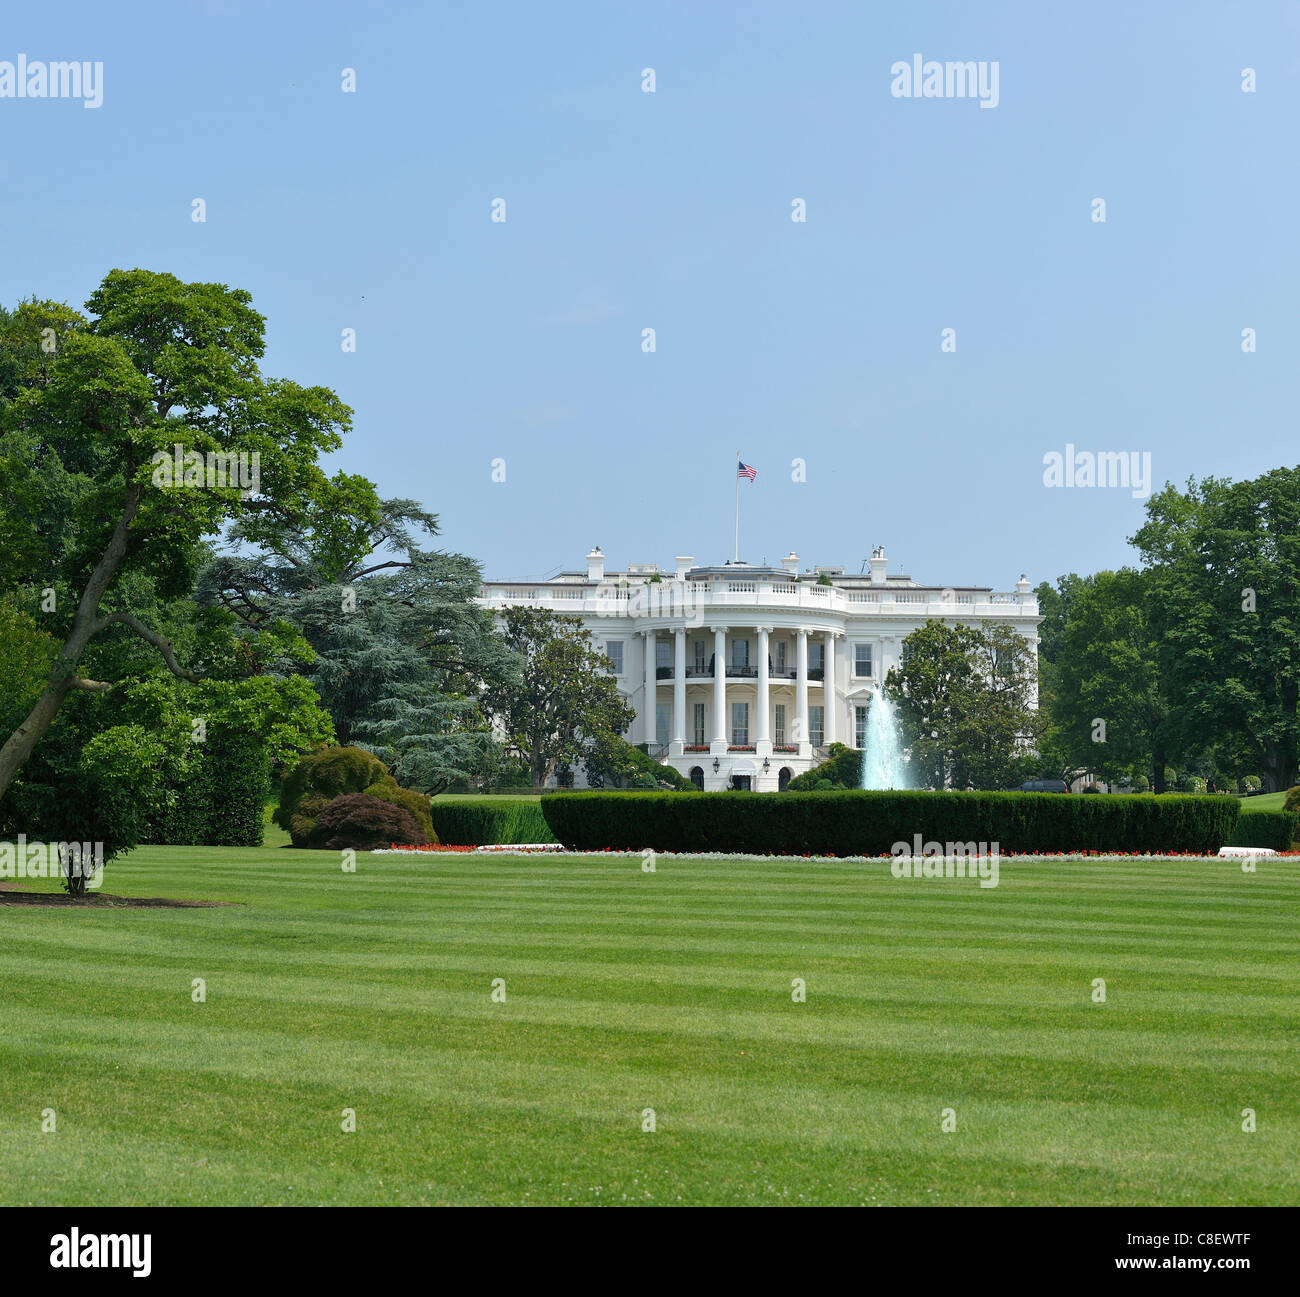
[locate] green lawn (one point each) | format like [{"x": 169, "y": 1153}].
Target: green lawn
[
  {"x": 672, "y": 991},
  {"x": 1264, "y": 802}
]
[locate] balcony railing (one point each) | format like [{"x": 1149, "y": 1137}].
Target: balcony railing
[{"x": 736, "y": 671}]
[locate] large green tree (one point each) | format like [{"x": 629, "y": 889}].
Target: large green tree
[
  {"x": 1107, "y": 708},
  {"x": 402, "y": 649},
  {"x": 965, "y": 697},
  {"x": 561, "y": 699},
  {"x": 1224, "y": 566},
  {"x": 90, "y": 406}
]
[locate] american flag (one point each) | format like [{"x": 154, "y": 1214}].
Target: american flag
[{"x": 745, "y": 471}]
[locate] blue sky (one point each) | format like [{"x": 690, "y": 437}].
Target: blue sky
[{"x": 817, "y": 341}]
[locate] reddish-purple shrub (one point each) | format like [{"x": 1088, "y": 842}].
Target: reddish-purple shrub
[{"x": 363, "y": 822}]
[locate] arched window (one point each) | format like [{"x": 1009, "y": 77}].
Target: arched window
[
  {"x": 783, "y": 778},
  {"x": 697, "y": 777}
]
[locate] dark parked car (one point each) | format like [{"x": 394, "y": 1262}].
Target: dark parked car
[{"x": 1044, "y": 786}]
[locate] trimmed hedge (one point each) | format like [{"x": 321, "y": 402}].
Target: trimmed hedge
[
  {"x": 869, "y": 823},
  {"x": 1275, "y": 829},
  {"x": 482, "y": 824}
]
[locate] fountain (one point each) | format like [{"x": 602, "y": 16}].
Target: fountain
[{"x": 882, "y": 757}]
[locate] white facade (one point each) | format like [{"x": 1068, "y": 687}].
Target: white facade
[{"x": 726, "y": 666}]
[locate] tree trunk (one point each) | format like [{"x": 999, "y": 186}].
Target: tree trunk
[
  {"x": 85, "y": 625},
  {"x": 20, "y": 743}
]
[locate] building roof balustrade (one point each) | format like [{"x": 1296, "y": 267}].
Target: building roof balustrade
[{"x": 675, "y": 598}]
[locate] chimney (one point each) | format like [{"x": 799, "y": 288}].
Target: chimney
[
  {"x": 684, "y": 564},
  {"x": 879, "y": 563},
  {"x": 791, "y": 563},
  {"x": 1023, "y": 586},
  {"x": 596, "y": 565}
]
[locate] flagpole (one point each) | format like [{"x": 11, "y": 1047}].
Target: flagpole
[{"x": 735, "y": 558}]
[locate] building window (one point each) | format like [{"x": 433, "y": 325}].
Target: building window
[
  {"x": 740, "y": 652},
  {"x": 778, "y": 730},
  {"x": 699, "y": 723},
  {"x": 699, "y": 655},
  {"x": 663, "y": 711},
  {"x": 663, "y": 653},
  {"x": 739, "y": 724},
  {"x": 816, "y": 725},
  {"x": 697, "y": 777},
  {"x": 816, "y": 657},
  {"x": 862, "y": 661},
  {"x": 780, "y": 657},
  {"x": 614, "y": 651},
  {"x": 859, "y": 727}
]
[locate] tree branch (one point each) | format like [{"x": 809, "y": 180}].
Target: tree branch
[{"x": 160, "y": 642}]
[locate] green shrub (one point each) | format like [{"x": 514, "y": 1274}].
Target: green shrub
[
  {"x": 487, "y": 823},
  {"x": 416, "y": 804},
  {"x": 615, "y": 763},
  {"x": 842, "y": 769},
  {"x": 1193, "y": 784},
  {"x": 328, "y": 773},
  {"x": 1275, "y": 829},
  {"x": 1250, "y": 784},
  {"x": 869, "y": 823},
  {"x": 1141, "y": 784},
  {"x": 237, "y": 777},
  {"x": 364, "y": 823},
  {"x": 1171, "y": 777},
  {"x": 1292, "y": 799}
]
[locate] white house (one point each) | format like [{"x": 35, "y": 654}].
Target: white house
[{"x": 727, "y": 667}]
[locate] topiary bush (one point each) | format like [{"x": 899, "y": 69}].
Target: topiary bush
[
  {"x": 1194, "y": 785},
  {"x": 363, "y": 822},
  {"x": 1141, "y": 784},
  {"x": 1292, "y": 799},
  {"x": 869, "y": 823},
  {"x": 387, "y": 789},
  {"x": 328, "y": 773},
  {"x": 1250, "y": 784}
]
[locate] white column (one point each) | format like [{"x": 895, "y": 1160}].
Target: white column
[
  {"x": 801, "y": 693},
  {"x": 679, "y": 693},
  {"x": 763, "y": 747},
  {"x": 719, "y": 688},
  {"x": 651, "y": 691},
  {"x": 828, "y": 689}
]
